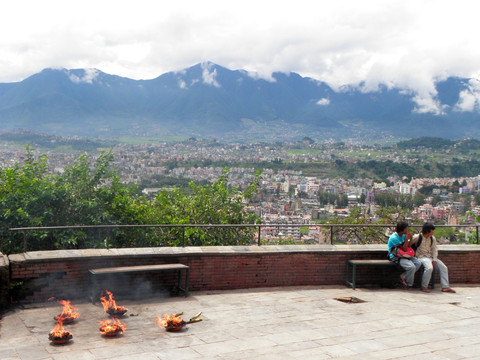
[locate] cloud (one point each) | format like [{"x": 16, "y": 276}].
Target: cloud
[
  {"x": 469, "y": 99},
  {"x": 428, "y": 104},
  {"x": 406, "y": 44},
  {"x": 323, "y": 102},
  {"x": 88, "y": 77},
  {"x": 182, "y": 84},
  {"x": 209, "y": 76}
]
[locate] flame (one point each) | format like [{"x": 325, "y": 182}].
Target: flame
[
  {"x": 68, "y": 312},
  {"x": 110, "y": 304},
  {"x": 112, "y": 327},
  {"x": 172, "y": 321},
  {"x": 59, "y": 332}
]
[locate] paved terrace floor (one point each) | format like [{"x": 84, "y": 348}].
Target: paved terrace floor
[{"x": 273, "y": 323}]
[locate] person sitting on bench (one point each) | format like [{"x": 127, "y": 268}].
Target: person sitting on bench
[
  {"x": 427, "y": 253},
  {"x": 403, "y": 238}
]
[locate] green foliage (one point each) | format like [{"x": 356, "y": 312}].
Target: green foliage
[
  {"x": 471, "y": 237},
  {"x": 338, "y": 168},
  {"x": 383, "y": 169},
  {"x": 404, "y": 201},
  {"x": 419, "y": 199},
  {"x": 83, "y": 195},
  {"x": 54, "y": 142},
  {"x": 211, "y": 204},
  {"x": 90, "y": 193},
  {"x": 446, "y": 232},
  {"x": 361, "y": 234},
  {"x": 464, "y": 146},
  {"x": 24, "y": 193},
  {"x": 326, "y": 197},
  {"x": 428, "y": 142}
]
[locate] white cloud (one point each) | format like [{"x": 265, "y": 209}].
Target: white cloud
[
  {"x": 209, "y": 76},
  {"x": 469, "y": 98},
  {"x": 407, "y": 44},
  {"x": 428, "y": 104},
  {"x": 323, "y": 102},
  {"x": 182, "y": 84},
  {"x": 88, "y": 77}
]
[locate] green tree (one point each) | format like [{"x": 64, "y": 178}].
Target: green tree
[
  {"x": 363, "y": 198},
  {"x": 435, "y": 200},
  {"x": 27, "y": 198},
  {"x": 84, "y": 195},
  {"x": 342, "y": 201},
  {"x": 362, "y": 234},
  {"x": 308, "y": 140},
  {"x": 302, "y": 194},
  {"x": 211, "y": 204},
  {"x": 326, "y": 198},
  {"x": 419, "y": 199},
  {"x": 91, "y": 193},
  {"x": 445, "y": 232}
]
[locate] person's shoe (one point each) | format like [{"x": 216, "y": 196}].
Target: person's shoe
[
  {"x": 404, "y": 283},
  {"x": 425, "y": 289},
  {"x": 449, "y": 290}
]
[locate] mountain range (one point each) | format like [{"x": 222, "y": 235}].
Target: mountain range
[{"x": 208, "y": 100}]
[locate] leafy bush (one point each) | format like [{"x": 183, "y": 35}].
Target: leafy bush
[{"x": 91, "y": 193}]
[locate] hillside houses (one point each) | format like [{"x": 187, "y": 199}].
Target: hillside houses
[{"x": 285, "y": 196}]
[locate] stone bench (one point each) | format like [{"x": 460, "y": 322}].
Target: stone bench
[{"x": 93, "y": 275}]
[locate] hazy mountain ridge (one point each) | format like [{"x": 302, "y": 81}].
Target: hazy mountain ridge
[{"x": 210, "y": 100}]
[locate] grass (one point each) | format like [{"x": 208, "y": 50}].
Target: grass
[
  {"x": 304, "y": 151},
  {"x": 368, "y": 153}
]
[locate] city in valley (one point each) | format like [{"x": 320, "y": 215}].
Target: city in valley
[{"x": 306, "y": 183}]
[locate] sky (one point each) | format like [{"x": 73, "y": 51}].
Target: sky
[{"x": 408, "y": 44}]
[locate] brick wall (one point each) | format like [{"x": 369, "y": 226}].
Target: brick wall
[
  {"x": 64, "y": 273},
  {"x": 4, "y": 281}
]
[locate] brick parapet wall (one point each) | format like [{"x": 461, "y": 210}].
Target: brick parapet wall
[
  {"x": 4, "y": 281},
  {"x": 64, "y": 273}
]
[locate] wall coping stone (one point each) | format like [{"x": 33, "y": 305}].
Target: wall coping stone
[
  {"x": 212, "y": 250},
  {"x": 4, "y": 260}
]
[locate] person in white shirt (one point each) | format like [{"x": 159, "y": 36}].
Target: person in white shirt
[{"x": 427, "y": 253}]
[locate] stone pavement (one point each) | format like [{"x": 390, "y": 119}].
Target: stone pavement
[{"x": 270, "y": 323}]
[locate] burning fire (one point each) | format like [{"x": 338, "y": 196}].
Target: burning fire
[
  {"x": 68, "y": 312},
  {"x": 59, "y": 335},
  {"x": 112, "y": 327},
  {"x": 170, "y": 322},
  {"x": 110, "y": 306}
]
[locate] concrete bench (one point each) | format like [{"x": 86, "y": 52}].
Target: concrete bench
[{"x": 94, "y": 273}]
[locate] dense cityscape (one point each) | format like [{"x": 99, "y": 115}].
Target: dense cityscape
[{"x": 293, "y": 196}]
